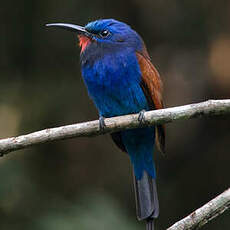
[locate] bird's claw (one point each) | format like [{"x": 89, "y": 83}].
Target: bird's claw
[
  {"x": 141, "y": 116},
  {"x": 102, "y": 123}
]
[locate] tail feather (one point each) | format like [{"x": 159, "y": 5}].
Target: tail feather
[
  {"x": 150, "y": 224},
  {"x": 147, "y": 205}
]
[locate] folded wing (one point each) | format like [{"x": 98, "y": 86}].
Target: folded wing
[{"x": 152, "y": 87}]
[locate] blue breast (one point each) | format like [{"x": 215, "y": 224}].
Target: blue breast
[{"x": 113, "y": 83}]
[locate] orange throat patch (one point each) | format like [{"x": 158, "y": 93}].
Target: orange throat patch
[{"x": 83, "y": 42}]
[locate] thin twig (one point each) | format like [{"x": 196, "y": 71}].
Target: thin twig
[
  {"x": 206, "y": 213},
  {"x": 208, "y": 108}
]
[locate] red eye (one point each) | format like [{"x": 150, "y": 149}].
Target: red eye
[{"x": 104, "y": 33}]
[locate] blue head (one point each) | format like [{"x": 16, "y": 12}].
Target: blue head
[
  {"x": 110, "y": 32},
  {"x": 109, "y": 65},
  {"x": 105, "y": 35}
]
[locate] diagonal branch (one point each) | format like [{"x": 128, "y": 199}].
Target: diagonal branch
[
  {"x": 206, "y": 213},
  {"x": 91, "y": 128}
]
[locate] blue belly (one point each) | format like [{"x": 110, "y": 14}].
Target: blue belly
[{"x": 113, "y": 84}]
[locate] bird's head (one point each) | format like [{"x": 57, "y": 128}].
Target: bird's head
[{"x": 104, "y": 35}]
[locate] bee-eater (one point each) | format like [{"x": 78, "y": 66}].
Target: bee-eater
[{"x": 121, "y": 79}]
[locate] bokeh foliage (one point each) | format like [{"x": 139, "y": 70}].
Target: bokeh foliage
[{"x": 87, "y": 183}]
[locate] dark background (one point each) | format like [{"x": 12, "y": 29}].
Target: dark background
[{"x": 87, "y": 183}]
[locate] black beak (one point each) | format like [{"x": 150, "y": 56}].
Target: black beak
[{"x": 70, "y": 27}]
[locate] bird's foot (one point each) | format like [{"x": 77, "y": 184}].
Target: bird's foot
[
  {"x": 102, "y": 123},
  {"x": 141, "y": 116}
]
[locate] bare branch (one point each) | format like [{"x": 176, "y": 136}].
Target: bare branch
[
  {"x": 204, "y": 214},
  {"x": 208, "y": 108}
]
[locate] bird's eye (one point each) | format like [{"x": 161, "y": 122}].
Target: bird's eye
[{"x": 104, "y": 33}]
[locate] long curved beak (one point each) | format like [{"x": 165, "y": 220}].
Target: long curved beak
[{"x": 70, "y": 27}]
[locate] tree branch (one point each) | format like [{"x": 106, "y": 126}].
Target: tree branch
[
  {"x": 208, "y": 108},
  {"x": 204, "y": 214}
]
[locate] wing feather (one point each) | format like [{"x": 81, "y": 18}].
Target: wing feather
[{"x": 152, "y": 87}]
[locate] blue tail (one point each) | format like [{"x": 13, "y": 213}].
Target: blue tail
[{"x": 139, "y": 144}]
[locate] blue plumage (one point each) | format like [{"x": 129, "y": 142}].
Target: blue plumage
[
  {"x": 120, "y": 79},
  {"x": 139, "y": 144},
  {"x": 120, "y": 34},
  {"x": 113, "y": 82}
]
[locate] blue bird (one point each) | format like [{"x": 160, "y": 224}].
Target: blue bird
[{"x": 121, "y": 79}]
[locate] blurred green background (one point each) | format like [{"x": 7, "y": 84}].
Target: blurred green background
[{"x": 87, "y": 183}]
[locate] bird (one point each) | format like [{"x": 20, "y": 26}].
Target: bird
[{"x": 121, "y": 79}]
